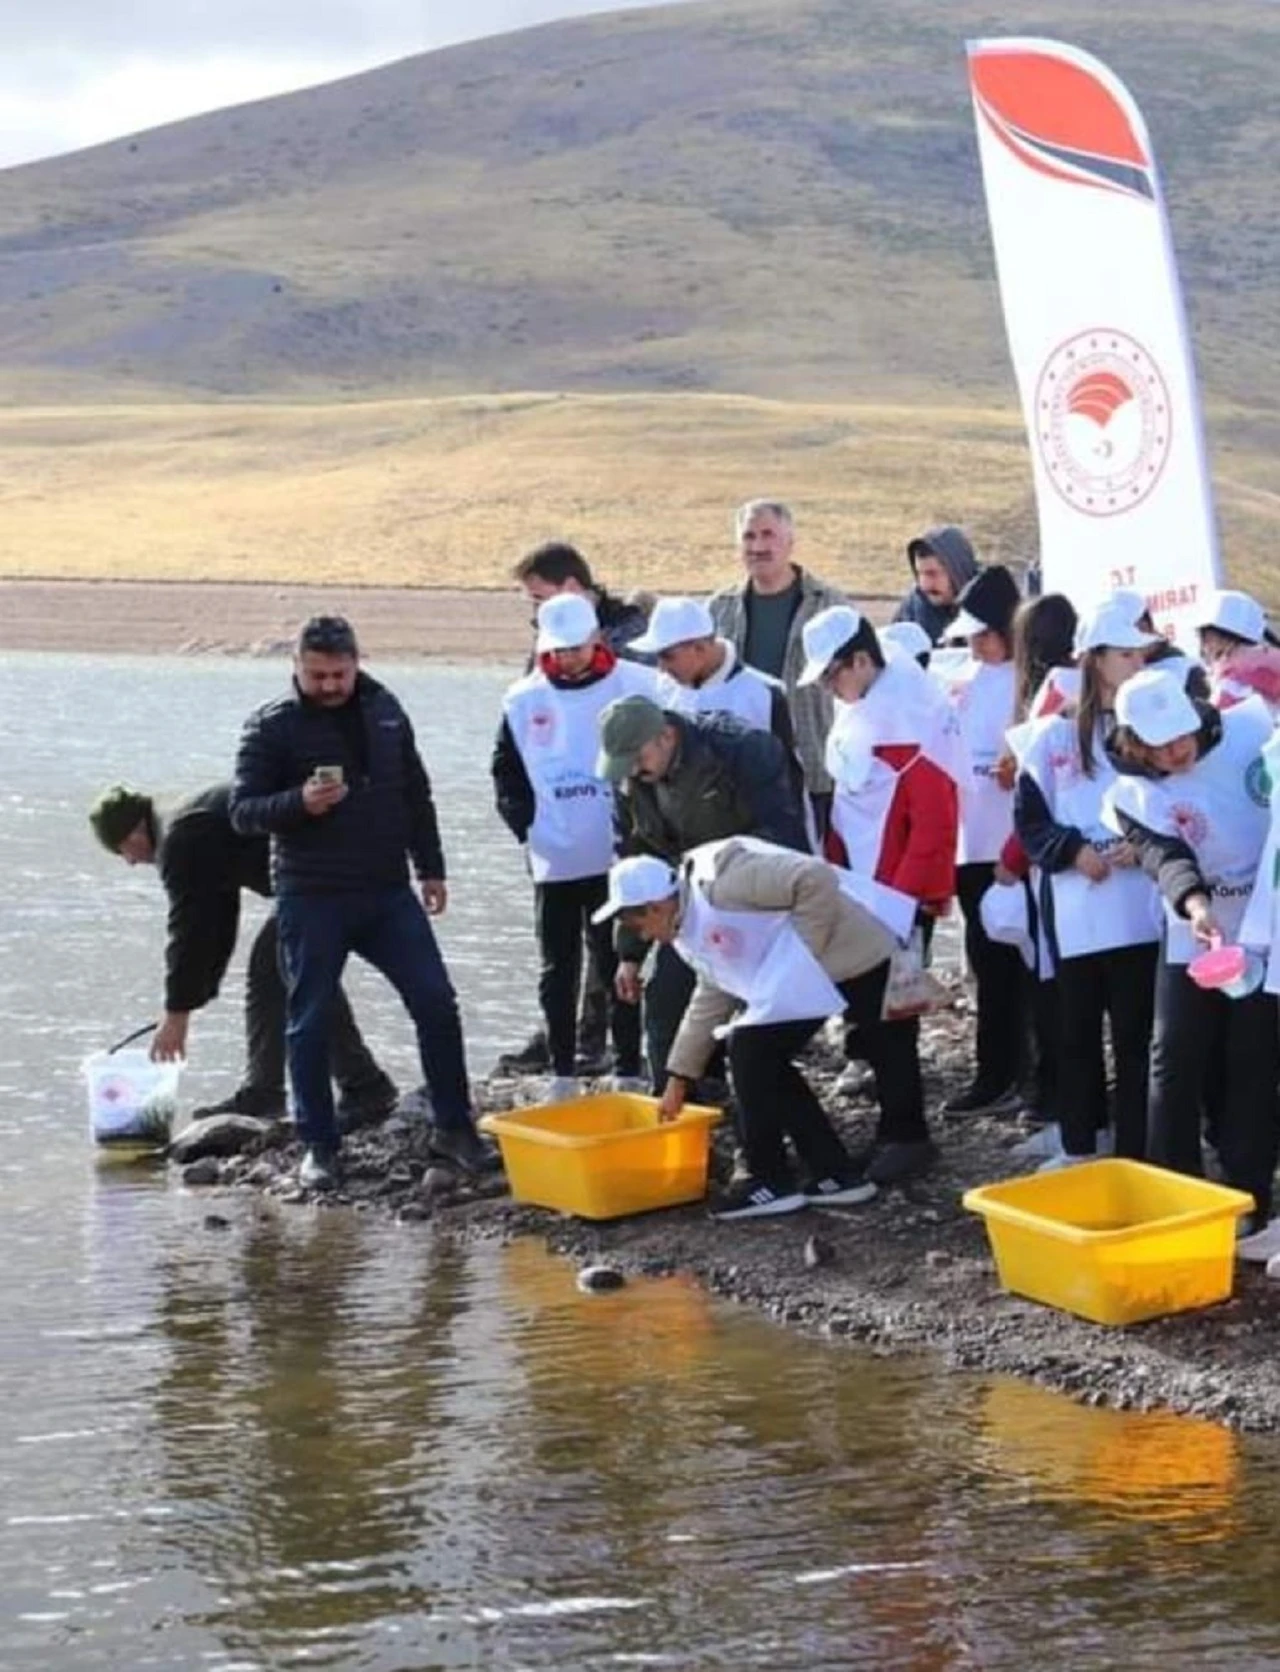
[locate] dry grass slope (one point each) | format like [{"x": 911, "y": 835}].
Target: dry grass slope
[
  {"x": 740, "y": 246},
  {"x": 448, "y": 492}
]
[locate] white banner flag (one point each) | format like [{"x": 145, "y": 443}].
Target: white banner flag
[{"x": 1096, "y": 328}]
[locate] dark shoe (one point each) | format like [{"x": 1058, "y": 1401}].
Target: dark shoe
[
  {"x": 981, "y": 1100},
  {"x": 592, "y": 1064},
  {"x": 263, "y": 1105},
  {"x": 319, "y": 1170},
  {"x": 845, "y": 1191},
  {"x": 366, "y": 1105},
  {"x": 753, "y": 1199},
  {"x": 532, "y": 1057},
  {"x": 896, "y": 1163},
  {"x": 464, "y": 1148}
]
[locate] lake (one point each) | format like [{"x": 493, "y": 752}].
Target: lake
[{"x": 313, "y": 1438}]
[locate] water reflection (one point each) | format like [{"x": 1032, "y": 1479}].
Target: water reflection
[{"x": 316, "y": 1439}]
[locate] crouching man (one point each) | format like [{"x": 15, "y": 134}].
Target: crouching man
[{"x": 777, "y": 948}]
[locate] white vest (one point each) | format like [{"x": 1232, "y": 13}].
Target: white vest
[
  {"x": 1259, "y": 928},
  {"x": 1088, "y": 916},
  {"x": 903, "y": 707},
  {"x": 982, "y": 693},
  {"x": 757, "y": 957},
  {"x": 1219, "y": 809},
  {"x": 735, "y": 689},
  {"x": 556, "y": 730}
]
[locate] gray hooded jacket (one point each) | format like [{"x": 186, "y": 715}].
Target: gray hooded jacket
[{"x": 952, "y": 547}]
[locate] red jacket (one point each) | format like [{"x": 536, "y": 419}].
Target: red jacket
[{"x": 918, "y": 840}]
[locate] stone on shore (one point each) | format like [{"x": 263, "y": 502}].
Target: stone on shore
[{"x": 217, "y": 1135}]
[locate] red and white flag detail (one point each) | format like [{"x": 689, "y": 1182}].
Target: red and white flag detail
[{"x": 1096, "y": 328}]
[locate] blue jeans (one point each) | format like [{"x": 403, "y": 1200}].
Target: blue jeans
[{"x": 388, "y": 929}]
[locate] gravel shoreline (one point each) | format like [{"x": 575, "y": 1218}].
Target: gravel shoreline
[{"x": 908, "y": 1273}]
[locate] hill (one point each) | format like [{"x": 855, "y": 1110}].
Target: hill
[
  {"x": 772, "y": 197},
  {"x": 731, "y": 248}
]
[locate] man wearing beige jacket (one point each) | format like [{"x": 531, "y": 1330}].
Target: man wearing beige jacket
[{"x": 778, "y": 945}]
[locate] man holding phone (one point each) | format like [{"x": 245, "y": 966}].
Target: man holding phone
[{"x": 331, "y": 772}]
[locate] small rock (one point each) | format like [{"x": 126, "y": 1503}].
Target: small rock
[
  {"x": 817, "y": 1253},
  {"x": 439, "y": 1181},
  {"x": 208, "y": 1170},
  {"x": 413, "y": 1213},
  {"x": 937, "y": 1257},
  {"x": 215, "y": 1222},
  {"x": 217, "y": 1135},
  {"x": 596, "y": 1280}
]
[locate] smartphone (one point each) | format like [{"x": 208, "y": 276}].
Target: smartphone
[{"x": 328, "y": 775}]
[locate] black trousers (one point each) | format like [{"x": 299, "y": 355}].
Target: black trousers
[
  {"x": 563, "y": 915},
  {"x": 1190, "y": 1025},
  {"x": 354, "y": 1068},
  {"x": 776, "y": 1102},
  {"x": 1121, "y": 984},
  {"x": 999, "y": 973},
  {"x": 892, "y": 1050}
]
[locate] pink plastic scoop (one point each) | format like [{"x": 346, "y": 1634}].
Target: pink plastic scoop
[{"x": 1220, "y": 966}]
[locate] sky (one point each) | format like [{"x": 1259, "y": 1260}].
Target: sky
[{"x": 75, "y": 72}]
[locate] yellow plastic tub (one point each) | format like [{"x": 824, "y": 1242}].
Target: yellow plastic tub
[
  {"x": 606, "y": 1156},
  {"x": 1113, "y": 1241}
]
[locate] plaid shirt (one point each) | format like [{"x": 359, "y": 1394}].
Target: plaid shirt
[{"x": 810, "y": 705}]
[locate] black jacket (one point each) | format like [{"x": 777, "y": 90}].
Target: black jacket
[
  {"x": 387, "y": 812},
  {"x": 203, "y": 865}
]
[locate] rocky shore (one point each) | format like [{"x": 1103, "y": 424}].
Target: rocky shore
[{"x": 908, "y": 1272}]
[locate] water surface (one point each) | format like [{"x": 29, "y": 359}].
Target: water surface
[{"x": 315, "y": 1439}]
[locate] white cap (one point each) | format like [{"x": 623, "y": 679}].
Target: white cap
[
  {"x": 638, "y": 881},
  {"x": 904, "y": 638},
  {"x": 674, "y": 621},
  {"x": 966, "y": 626},
  {"x": 1155, "y": 706},
  {"x": 1130, "y": 600},
  {"x": 1234, "y": 612},
  {"x": 823, "y": 636},
  {"x": 565, "y": 622},
  {"x": 1110, "y": 626}
]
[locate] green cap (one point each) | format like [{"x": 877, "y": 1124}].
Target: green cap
[
  {"x": 626, "y": 725},
  {"x": 115, "y": 813}
]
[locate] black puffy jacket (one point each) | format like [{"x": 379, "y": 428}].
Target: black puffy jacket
[{"x": 387, "y": 813}]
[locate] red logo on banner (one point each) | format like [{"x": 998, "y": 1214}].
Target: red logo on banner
[{"x": 1102, "y": 422}]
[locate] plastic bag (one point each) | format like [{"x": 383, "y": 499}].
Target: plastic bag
[
  {"x": 132, "y": 1100},
  {"x": 911, "y": 989}
]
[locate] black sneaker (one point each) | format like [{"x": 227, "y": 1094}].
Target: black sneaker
[
  {"x": 845, "y": 1191},
  {"x": 895, "y": 1163},
  {"x": 245, "y": 1100},
  {"x": 751, "y": 1198},
  {"x": 980, "y": 1100},
  {"x": 532, "y": 1057},
  {"x": 366, "y": 1105},
  {"x": 319, "y": 1170},
  {"x": 464, "y": 1148}
]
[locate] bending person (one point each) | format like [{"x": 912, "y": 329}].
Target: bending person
[
  {"x": 777, "y": 948},
  {"x": 204, "y": 865}
]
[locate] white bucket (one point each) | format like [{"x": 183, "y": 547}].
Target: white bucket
[{"x": 132, "y": 1100}]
